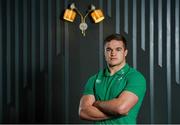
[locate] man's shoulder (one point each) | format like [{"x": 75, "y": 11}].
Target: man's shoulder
[{"x": 135, "y": 73}]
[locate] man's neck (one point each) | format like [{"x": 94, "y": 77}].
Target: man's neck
[{"x": 114, "y": 69}]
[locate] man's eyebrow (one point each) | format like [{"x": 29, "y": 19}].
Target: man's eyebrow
[
  {"x": 115, "y": 48},
  {"x": 108, "y": 48},
  {"x": 118, "y": 47}
]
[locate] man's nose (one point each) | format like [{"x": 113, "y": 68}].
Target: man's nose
[{"x": 113, "y": 52}]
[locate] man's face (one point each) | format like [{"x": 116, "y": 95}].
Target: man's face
[{"x": 115, "y": 53}]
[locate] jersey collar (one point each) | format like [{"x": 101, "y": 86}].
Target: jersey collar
[{"x": 120, "y": 72}]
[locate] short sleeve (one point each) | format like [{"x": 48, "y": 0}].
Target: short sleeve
[
  {"x": 89, "y": 87},
  {"x": 136, "y": 84}
]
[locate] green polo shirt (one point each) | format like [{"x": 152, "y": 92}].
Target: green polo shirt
[{"x": 106, "y": 87}]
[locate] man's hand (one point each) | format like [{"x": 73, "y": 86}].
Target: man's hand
[{"x": 96, "y": 104}]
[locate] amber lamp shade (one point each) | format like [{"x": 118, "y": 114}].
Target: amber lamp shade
[
  {"x": 69, "y": 15},
  {"x": 97, "y": 16}
]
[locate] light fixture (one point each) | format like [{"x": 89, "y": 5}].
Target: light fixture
[{"x": 70, "y": 14}]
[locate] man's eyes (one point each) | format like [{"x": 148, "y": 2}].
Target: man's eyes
[
  {"x": 108, "y": 50},
  {"x": 118, "y": 49}
]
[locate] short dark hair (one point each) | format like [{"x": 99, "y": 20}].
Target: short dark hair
[{"x": 119, "y": 37}]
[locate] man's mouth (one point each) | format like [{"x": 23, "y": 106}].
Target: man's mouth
[{"x": 113, "y": 58}]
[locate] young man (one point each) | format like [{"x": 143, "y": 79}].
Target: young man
[{"x": 114, "y": 95}]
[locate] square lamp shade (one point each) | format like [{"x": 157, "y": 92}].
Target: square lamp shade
[
  {"x": 69, "y": 15},
  {"x": 97, "y": 16}
]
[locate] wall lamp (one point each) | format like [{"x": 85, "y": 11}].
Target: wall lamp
[{"x": 70, "y": 14}]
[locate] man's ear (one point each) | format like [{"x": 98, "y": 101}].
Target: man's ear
[{"x": 126, "y": 52}]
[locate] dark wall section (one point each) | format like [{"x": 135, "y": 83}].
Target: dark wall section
[
  {"x": 45, "y": 61},
  {"x": 32, "y": 65}
]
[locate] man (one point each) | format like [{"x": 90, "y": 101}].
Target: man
[{"x": 114, "y": 95}]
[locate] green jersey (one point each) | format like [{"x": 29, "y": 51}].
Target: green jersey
[{"x": 106, "y": 87}]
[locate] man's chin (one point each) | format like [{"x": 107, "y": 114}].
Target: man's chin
[{"x": 112, "y": 65}]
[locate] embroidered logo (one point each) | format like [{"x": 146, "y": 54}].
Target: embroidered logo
[
  {"x": 98, "y": 81},
  {"x": 120, "y": 78}
]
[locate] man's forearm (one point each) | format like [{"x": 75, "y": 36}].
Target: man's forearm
[
  {"x": 111, "y": 107},
  {"x": 92, "y": 113}
]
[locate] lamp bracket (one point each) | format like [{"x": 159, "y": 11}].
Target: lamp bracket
[{"x": 83, "y": 26}]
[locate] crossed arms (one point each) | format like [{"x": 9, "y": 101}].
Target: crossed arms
[{"x": 90, "y": 109}]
